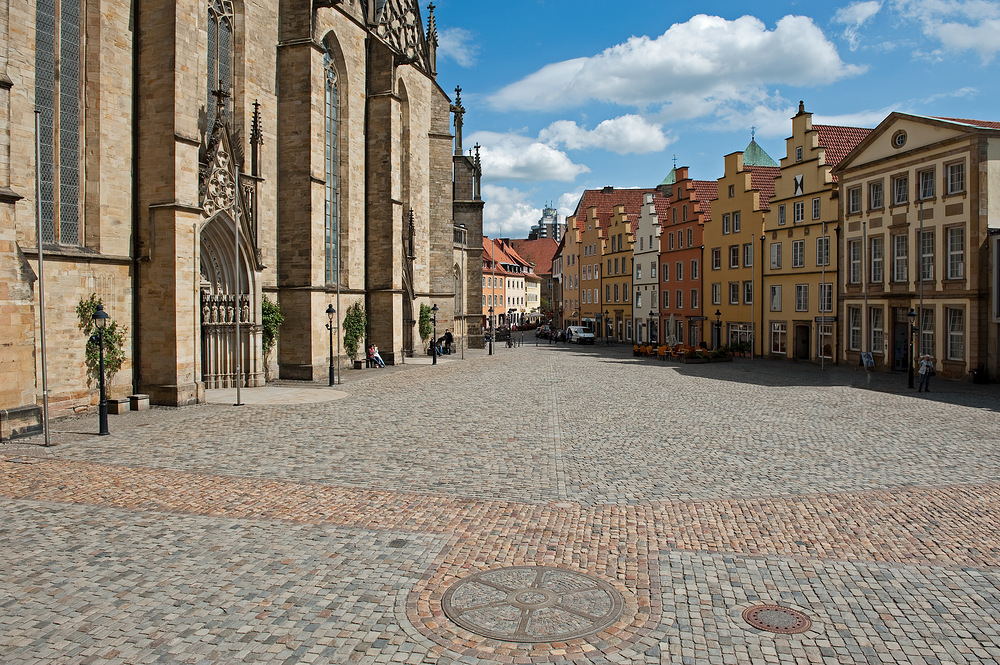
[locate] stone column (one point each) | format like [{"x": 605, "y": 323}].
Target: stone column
[{"x": 171, "y": 95}]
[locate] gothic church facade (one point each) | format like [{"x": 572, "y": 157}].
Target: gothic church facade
[{"x": 196, "y": 156}]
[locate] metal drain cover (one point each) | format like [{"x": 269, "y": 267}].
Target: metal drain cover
[
  {"x": 532, "y": 604},
  {"x": 777, "y": 619}
]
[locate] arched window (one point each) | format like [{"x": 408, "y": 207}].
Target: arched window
[
  {"x": 220, "y": 56},
  {"x": 330, "y": 133},
  {"x": 57, "y": 96}
]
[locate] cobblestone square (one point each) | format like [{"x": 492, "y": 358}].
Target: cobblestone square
[{"x": 326, "y": 525}]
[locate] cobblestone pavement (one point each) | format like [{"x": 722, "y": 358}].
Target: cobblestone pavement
[{"x": 299, "y": 529}]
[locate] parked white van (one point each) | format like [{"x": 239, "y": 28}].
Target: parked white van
[{"x": 581, "y": 335}]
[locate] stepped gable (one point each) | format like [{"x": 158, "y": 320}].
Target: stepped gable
[
  {"x": 839, "y": 141},
  {"x": 762, "y": 179}
]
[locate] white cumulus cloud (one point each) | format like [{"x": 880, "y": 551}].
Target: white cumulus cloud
[
  {"x": 458, "y": 45},
  {"x": 700, "y": 62},
  {"x": 959, "y": 25},
  {"x": 508, "y": 213},
  {"x": 855, "y": 15},
  {"x": 623, "y": 135},
  {"x": 515, "y": 157}
]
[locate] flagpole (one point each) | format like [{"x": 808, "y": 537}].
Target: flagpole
[{"x": 41, "y": 273}]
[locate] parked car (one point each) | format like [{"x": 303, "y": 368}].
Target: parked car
[{"x": 581, "y": 335}]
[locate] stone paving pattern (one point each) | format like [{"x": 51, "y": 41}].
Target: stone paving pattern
[{"x": 329, "y": 532}]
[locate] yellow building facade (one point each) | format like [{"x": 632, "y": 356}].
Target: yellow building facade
[
  {"x": 732, "y": 253},
  {"x": 618, "y": 267},
  {"x": 800, "y": 258}
]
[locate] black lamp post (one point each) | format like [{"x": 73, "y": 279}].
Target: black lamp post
[
  {"x": 651, "y": 315},
  {"x": 492, "y": 333},
  {"x": 718, "y": 328},
  {"x": 330, "y": 312},
  {"x": 100, "y": 319},
  {"x": 910, "y": 318},
  {"x": 434, "y": 326},
  {"x": 607, "y": 337}
]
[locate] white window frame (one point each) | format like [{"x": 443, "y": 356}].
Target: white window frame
[
  {"x": 801, "y": 297},
  {"x": 716, "y": 258},
  {"x": 694, "y": 268},
  {"x": 900, "y": 266},
  {"x": 736, "y": 222},
  {"x": 926, "y": 325},
  {"x": 956, "y": 252},
  {"x": 955, "y": 322},
  {"x": 876, "y": 251},
  {"x": 853, "y": 200},
  {"x": 776, "y": 297},
  {"x": 779, "y": 337},
  {"x": 876, "y": 326},
  {"x": 955, "y": 178},
  {"x": 853, "y": 328},
  {"x": 816, "y": 207},
  {"x": 926, "y": 270},
  {"x": 734, "y": 256},
  {"x": 900, "y": 190},
  {"x": 798, "y": 212},
  {"x": 734, "y": 293},
  {"x": 717, "y": 293},
  {"x": 775, "y": 256},
  {"x": 925, "y": 184},
  {"x": 823, "y": 251},
  {"x": 798, "y": 253},
  {"x": 825, "y": 297},
  {"x": 781, "y": 214},
  {"x": 747, "y": 254},
  {"x": 679, "y": 271},
  {"x": 748, "y": 292},
  {"x": 876, "y": 195}
]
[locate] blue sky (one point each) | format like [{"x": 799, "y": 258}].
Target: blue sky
[{"x": 566, "y": 96}]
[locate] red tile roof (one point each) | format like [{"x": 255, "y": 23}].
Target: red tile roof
[
  {"x": 986, "y": 124},
  {"x": 540, "y": 252},
  {"x": 762, "y": 179},
  {"x": 705, "y": 191},
  {"x": 606, "y": 201},
  {"x": 839, "y": 141}
]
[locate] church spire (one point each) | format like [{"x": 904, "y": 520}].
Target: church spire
[
  {"x": 459, "y": 111},
  {"x": 432, "y": 40}
]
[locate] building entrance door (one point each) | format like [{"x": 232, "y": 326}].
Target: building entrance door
[
  {"x": 802, "y": 342},
  {"x": 899, "y": 345}
]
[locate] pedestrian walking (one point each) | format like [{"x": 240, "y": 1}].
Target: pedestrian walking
[
  {"x": 449, "y": 339},
  {"x": 926, "y": 372}
]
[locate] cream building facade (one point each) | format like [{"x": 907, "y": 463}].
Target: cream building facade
[
  {"x": 199, "y": 155},
  {"x": 919, "y": 198}
]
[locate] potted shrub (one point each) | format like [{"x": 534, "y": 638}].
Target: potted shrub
[
  {"x": 424, "y": 325},
  {"x": 271, "y": 320}
]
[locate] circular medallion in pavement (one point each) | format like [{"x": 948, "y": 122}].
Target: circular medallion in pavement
[
  {"x": 777, "y": 619},
  {"x": 532, "y": 604}
]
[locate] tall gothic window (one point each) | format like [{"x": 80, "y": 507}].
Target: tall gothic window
[
  {"x": 57, "y": 97},
  {"x": 220, "y": 56},
  {"x": 330, "y": 168}
]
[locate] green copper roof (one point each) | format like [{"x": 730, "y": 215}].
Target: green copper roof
[
  {"x": 754, "y": 155},
  {"x": 671, "y": 177}
]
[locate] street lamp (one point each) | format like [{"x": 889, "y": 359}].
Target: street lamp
[
  {"x": 492, "y": 333},
  {"x": 434, "y": 325},
  {"x": 100, "y": 319},
  {"x": 718, "y": 328},
  {"x": 651, "y": 315},
  {"x": 910, "y": 317},
  {"x": 330, "y": 312},
  {"x": 607, "y": 338}
]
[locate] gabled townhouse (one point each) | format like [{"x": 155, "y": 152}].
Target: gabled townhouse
[
  {"x": 646, "y": 252},
  {"x": 494, "y": 285},
  {"x": 515, "y": 286},
  {"x": 918, "y": 198},
  {"x": 540, "y": 292},
  {"x": 681, "y": 249},
  {"x": 800, "y": 273},
  {"x": 617, "y": 282},
  {"x": 734, "y": 245},
  {"x": 590, "y": 220},
  {"x": 572, "y": 272},
  {"x": 558, "y": 284}
]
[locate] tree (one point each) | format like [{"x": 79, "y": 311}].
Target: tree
[
  {"x": 271, "y": 320},
  {"x": 425, "y": 322},
  {"x": 114, "y": 341},
  {"x": 355, "y": 322}
]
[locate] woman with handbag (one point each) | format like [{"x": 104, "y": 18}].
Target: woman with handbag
[{"x": 926, "y": 372}]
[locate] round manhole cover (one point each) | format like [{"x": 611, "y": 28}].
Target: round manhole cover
[
  {"x": 777, "y": 619},
  {"x": 532, "y": 604}
]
